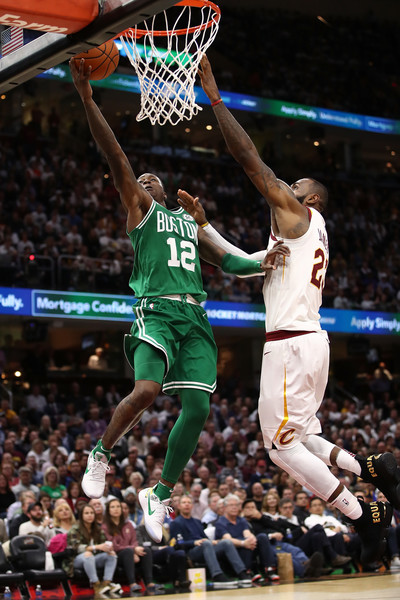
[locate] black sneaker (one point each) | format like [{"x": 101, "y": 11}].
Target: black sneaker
[
  {"x": 222, "y": 582},
  {"x": 271, "y": 575},
  {"x": 383, "y": 472},
  {"x": 371, "y": 527},
  {"x": 340, "y": 560},
  {"x": 244, "y": 579},
  {"x": 257, "y": 579},
  {"x": 313, "y": 566}
]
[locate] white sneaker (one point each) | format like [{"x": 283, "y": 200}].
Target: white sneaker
[
  {"x": 94, "y": 478},
  {"x": 395, "y": 563},
  {"x": 116, "y": 590},
  {"x": 154, "y": 512}
]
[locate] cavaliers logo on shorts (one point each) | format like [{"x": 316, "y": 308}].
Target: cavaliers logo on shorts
[{"x": 286, "y": 437}]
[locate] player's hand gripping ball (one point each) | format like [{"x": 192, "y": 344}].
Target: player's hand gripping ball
[{"x": 103, "y": 60}]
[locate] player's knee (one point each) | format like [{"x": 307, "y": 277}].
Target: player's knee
[
  {"x": 273, "y": 454},
  {"x": 144, "y": 394}
]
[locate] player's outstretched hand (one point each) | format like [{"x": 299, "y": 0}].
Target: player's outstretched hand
[
  {"x": 80, "y": 78},
  {"x": 192, "y": 206},
  {"x": 207, "y": 79},
  {"x": 279, "y": 249}
]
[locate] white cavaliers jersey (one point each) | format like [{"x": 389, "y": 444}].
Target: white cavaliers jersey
[{"x": 293, "y": 293}]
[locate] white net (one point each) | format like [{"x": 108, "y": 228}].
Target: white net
[{"x": 165, "y": 51}]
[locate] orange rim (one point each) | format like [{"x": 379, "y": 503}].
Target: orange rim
[{"x": 195, "y": 3}]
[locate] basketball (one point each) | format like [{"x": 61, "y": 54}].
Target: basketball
[{"x": 103, "y": 59}]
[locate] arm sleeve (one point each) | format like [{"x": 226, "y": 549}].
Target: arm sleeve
[
  {"x": 240, "y": 266},
  {"x": 221, "y": 242}
]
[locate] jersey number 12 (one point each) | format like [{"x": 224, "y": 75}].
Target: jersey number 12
[{"x": 187, "y": 254}]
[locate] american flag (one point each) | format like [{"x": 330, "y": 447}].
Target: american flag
[{"x": 11, "y": 39}]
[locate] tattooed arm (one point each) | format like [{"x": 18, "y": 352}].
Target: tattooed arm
[{"x": 290, "y": 218}]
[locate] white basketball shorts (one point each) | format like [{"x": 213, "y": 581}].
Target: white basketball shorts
[{"x": 294, "y": 375}]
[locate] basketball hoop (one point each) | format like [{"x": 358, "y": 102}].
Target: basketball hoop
[{"x": 167, "y": 59}]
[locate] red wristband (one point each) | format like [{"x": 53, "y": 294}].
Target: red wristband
[{"x": 216, "y": 102}]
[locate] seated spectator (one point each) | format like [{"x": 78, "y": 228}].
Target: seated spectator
[
  {"x": 211, "y": 515},
  {"x": 261, "y": 475},
  {"x": 40, "y": 526},
  {"x": 212, "y": 485},
  {"x": 270, "y": 504},
  {"x": 51, "y": 484},
  {"x": 203, "y": 476},
  {"x": 25, "y": 482},
  {"x": 250, "y": 547},
  {"x": 46, "y": 503},
  {"x": 7, "y": 496},
  {"x": 122, "y": 535},
  {"x": 393, "y": 532},
  {"x": 310, "y": 540},
  {"x": 8, "y": 469},
  {"x": 136, "y": 480},
  {"x": 95, "y": 425},
  {"x": 66, "y": 440},
  {"x": 140, "y": 440},
  {"x": 301, "y": 511},
  {"x": 74, "y": 494},
  {"x": 302, "y": 565},
  {"x": 189, "y": 535},
  {"x": 97, "y": 360},
  {"x": 187, "y": 480},
  {"x": 54, "y": 447},
  {"x": 91, "y": 552},
  {"x": 38, "y": 452},
  {"x": 336, "y": 531},
  {"x": 134, "y": 460},
  {"x": 35, "y": 404},
  {"x": 75, "y": 472},
  {"x": 198, "y": 506},
  {"x": 45, "y": 429},
  {"x": 257, "y": 494},
  {"x": 37, "y": 475},
  {"x": 63, "y": 517},
  {"x": 3, "y": 532},
  {"x": 98, "y": 508},
  {"x": 18, "y": 513},
  {"x": 135, "y": 513},
  {"x": 16, "y": 456},
  {"x": 167, "y": 556}
]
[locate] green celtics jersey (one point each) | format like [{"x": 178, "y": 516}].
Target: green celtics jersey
[{"x": 166, "y": 257}]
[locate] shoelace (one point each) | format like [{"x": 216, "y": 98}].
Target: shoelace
[
  {"x": 96, "y": 470},
  {"x": 161, "y": 510}
]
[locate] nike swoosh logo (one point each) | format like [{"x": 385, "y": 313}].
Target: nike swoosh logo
[{"x": 148, "y": 504}]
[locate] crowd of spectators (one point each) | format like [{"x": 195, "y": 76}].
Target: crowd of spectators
[
  {"x": 311, "y": 61},
  {"x": 44, "y": 447},
  {"x": 62, "y": 225}
]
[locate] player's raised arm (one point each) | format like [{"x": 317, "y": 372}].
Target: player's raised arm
[
  {"x": 134, "y": 197},
  {"x": 279, "y": 196}
]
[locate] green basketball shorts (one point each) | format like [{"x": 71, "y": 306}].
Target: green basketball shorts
[{"x": 183, "y": 334}]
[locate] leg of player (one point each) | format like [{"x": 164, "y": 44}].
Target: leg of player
[
  {"x": 369, "y": 520},
  {"x": 381, "y": 470},
  {"x": 149, "y": 370},
  {"x": 182, "y": 442}
]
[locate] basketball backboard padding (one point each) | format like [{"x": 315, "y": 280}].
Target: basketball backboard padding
[
  {"x": 63, "y": 16},
  {"x": 51, "y": 49}
]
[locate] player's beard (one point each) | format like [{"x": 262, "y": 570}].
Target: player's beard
[{"x": 302, "y": 198}]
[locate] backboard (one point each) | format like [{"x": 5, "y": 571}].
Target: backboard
[{"x": 51, "y": 49}]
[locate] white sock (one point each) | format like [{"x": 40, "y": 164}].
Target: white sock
[
  {"x": 322, "y": 448},
  {"x": 348, "y": 504}
]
